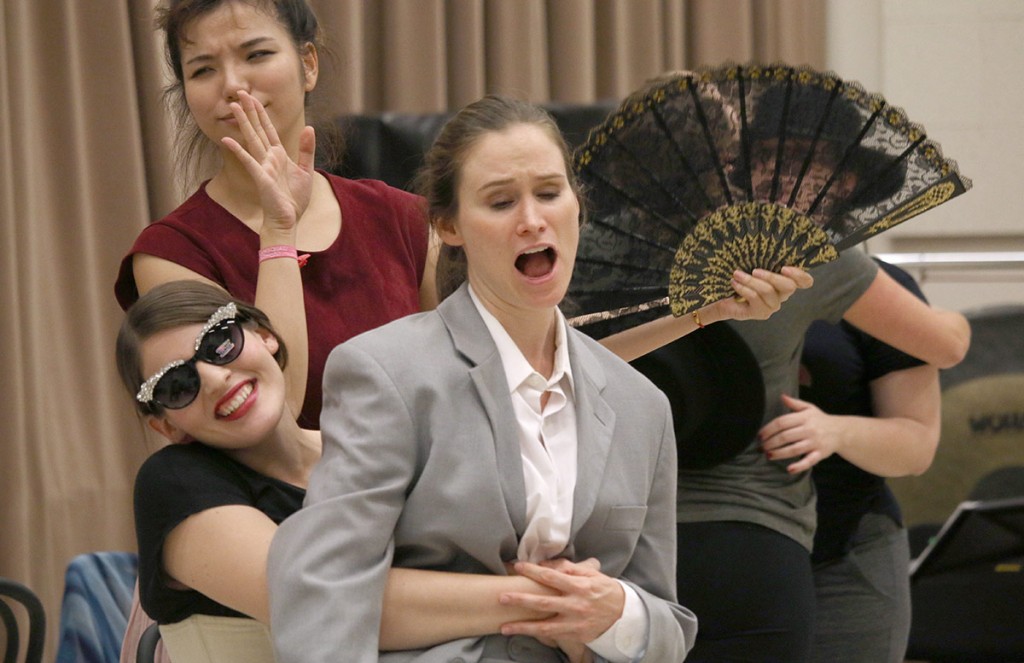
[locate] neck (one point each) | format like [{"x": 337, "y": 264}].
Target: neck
[
  {"x": 534, "y": 335},
  {"x": 287, "y": 454},
  {"x": 233, "y": 188}
]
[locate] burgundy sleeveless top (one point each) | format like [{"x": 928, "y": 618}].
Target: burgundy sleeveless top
[{"x": 369, "y": 276}]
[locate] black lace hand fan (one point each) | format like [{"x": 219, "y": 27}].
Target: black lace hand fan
[{"x": 701, "y": 173}]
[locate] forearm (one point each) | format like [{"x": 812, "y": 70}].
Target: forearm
[
  {"x": 758, "y": 296},
  {"x": 638, "y": 341},
  {"x": 279, "y": 295},
  {"x": 425, "y": 608},
  {"x": 888, "y": 447}
]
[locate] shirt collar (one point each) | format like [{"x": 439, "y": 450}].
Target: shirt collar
[{"x": 517, "y": 369}]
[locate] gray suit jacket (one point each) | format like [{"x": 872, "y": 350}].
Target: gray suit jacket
[{"x": 421, "y": 468}]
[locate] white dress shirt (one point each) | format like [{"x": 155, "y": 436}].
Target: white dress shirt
[{"x": 547, "y": 442}]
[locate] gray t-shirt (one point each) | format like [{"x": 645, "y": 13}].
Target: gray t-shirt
[{"x": 750, "y": 488}]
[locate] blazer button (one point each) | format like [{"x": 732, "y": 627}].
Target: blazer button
[{"x": 520, "y": 648}]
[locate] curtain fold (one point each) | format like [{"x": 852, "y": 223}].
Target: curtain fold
[
  {"x": 86, "y": 162},
  {"x": 74, "y": 187}
]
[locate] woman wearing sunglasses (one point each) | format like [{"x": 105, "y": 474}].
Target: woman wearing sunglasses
[
  {"x": 205, "y": 367},
  {"x": 205, "y": 370}
]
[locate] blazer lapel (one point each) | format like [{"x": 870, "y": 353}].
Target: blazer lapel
[
  {"x": 595, "y": 423},
  {"x": 473, "y": 341}
]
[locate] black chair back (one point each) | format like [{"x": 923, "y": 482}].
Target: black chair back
[
  {"x": 15, "y": 591},
  {"x": 146, "y": 652},
  {"x": 390, "y": 146}
]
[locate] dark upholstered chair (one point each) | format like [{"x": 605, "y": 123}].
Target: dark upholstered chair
[{"x": 390, "y": 146}]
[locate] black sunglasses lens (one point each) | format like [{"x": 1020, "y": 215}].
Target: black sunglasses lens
[
  {"x": 178, "y": 387},
  {"x": 222, "y": 344}
]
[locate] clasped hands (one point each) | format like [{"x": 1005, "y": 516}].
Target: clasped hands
[{"x": 585, "y": 604}]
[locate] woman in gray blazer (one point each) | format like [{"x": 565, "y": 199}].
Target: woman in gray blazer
[{"x": 488, "y": 436}]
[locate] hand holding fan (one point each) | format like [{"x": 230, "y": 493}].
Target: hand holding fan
[{"x": 700, "y": 174}]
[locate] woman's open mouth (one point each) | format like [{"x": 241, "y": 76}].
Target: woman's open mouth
[{"x": 536, "y": 262}]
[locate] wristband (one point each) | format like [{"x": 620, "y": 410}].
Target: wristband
[
  {"x": 696, "y": 320},
  {"x": 282, "y": 251}
]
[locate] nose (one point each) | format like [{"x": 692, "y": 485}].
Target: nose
[
  {"x": 213, "y": 377},
  {"x": 531, "y": 219},
  {"x": 234, "y": 81}
]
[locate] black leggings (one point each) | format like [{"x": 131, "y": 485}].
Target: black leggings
[{"x": 752, "y": 591}]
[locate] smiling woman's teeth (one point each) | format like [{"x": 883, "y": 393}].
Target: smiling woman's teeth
[{"x": 237, "y": 401}]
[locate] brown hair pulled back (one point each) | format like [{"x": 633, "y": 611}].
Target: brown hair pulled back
[{"x": 438, "y": 180}]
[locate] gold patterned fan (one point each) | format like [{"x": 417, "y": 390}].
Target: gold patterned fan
[{"x": 739, "y": 167}]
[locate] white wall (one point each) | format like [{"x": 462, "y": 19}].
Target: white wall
[{"x": 955, "y": 66}]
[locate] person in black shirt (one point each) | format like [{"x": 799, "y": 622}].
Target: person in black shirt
[{"x": 866, "y": 411}]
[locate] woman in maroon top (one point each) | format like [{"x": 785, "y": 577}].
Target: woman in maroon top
[{"x": 242, "y": 73}]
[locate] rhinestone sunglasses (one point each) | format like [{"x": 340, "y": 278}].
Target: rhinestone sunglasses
[{"x": 220, "y": 342}]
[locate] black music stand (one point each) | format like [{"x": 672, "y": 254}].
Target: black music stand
[{"x": 967, "y": 587}]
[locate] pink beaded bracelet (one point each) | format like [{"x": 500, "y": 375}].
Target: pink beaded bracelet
[{"x": 282, "y": 251}]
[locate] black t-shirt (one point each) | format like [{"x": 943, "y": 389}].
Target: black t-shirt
[
  {"x": 181, "y": 480},
  {"x": 838, "y": 364}
]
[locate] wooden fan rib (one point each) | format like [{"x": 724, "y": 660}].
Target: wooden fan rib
[
  {"x": 744, "y": 137},
  {"x": 781, "y": 146},
  {"x": 611, "y": 314}
]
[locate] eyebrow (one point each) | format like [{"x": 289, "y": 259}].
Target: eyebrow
[
  {"x": 550, "y": 177},
  {"x": 205, "y": 57}
]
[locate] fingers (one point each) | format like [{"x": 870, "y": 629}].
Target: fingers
[
  {"x": 266, "y": 127},
  {"x": 805, "y": 463},
  {"x": 254, "y": 130},
  {"x": 586, "y": 567},
  {"x": 546, "y": 575},
  {"x": 801, "y": 278},
  {"x": 761, "y": 293},
  {"x": 762, "y": 285},
  {"x": 240, "y": 153},
  {"x": 245, "y": 116},
  {"x": 588, "y": 602},
  {"x": 258, "y": 131}
]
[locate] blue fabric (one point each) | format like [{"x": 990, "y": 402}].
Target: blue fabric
[{"x": 97, "y": 600}]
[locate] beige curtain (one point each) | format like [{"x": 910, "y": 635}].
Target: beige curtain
[{"x": 84, "y": 165}]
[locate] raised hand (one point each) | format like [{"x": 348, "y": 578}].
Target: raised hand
[{"x": 284, "y": 185}]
